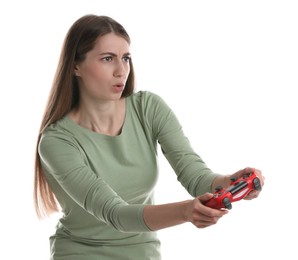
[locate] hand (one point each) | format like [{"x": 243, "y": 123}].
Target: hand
[
  {"x": 253, "y": 194},
  {"x": 200, "y": 215}
]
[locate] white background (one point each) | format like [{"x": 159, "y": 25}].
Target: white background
[{"x": 229, "y": 71}]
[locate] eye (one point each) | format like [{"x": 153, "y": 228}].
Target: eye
[
  {"x": 127, "y": 58},
  {"x": 107, "y": 58}
]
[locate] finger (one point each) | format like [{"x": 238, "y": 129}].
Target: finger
[
  {"x": 204, "y": 221},
  {"x": 205, "y": 197},
  {"x": 260, "y": 176},
  {"x": 203, "y": 224},
  {"x": 249, "y": 169},
  {"x": 252, "y": 195},
  {"x": 210, "y": 212},
  {"x": 241, "y": 172}
]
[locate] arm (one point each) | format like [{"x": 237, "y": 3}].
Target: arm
[
  {"x": 163, "y": 216},
  {"x": 62, "y": 160},
  {"x": 191, "y": 170}
]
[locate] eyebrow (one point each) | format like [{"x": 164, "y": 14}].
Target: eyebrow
[{"x": 113, "y": 54}]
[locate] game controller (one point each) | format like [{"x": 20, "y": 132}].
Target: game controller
[{"x": 238, "y": 189}]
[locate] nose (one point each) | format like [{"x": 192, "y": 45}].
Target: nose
[{"x": 119, "y": 69}]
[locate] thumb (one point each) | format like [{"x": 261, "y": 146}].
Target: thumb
[{"x": 205, "y": 197}]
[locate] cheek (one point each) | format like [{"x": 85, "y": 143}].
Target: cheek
[{"x": 94, "y": 74}]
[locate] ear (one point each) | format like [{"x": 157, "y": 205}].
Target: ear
[{"x": 77, "y": 70}]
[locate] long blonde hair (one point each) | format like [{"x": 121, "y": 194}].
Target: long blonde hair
[{"x": 64, "y": 94}]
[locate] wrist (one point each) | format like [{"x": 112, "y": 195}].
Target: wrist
[
  {"x": 222, "y": 180},
  {"x": 186, "y": 208}
]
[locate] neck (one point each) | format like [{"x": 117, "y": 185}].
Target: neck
[{"x": 105, "y": 118}]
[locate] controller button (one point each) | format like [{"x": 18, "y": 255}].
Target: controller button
[
  {"x": 257, "y": 184},
  {"x": 218, "y": 188},
  {"x": 227, "y": 203}
]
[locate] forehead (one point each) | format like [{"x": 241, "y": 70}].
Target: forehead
[{"x": 112, "y": 43}]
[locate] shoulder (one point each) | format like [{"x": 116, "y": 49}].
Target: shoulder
[
  {"x": 59, "y": 132},
  {"x": 145, "y": 94},
  {"x": 59, "y": 128},
  {"x": 151, "y": 109},
  {"x": 147, "y": 99}
]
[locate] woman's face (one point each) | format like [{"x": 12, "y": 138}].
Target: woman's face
[{"x": 103, "y": 73}]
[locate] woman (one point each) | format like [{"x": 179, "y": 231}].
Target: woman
[{"x": 96, "y": 154}]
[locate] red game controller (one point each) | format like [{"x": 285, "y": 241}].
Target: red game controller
[{"x": 238, "y": 189}]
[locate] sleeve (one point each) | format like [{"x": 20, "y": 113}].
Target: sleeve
[
  {"x": 62, "y": 159},
  {"x": 191, "y": 170}
]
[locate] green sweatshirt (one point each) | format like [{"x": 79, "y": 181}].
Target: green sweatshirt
[{"x": 104, "y": 182}]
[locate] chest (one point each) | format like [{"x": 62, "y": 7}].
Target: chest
[{"x": 127, "y": 164}]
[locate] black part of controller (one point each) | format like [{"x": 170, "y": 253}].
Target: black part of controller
[
  {"x": 257, "y": 184},
  {"x": 227, "y": 203},
  {"x": 218, "y": 188},
  {"x": 237, "y": 187}
]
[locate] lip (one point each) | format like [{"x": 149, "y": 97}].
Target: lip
[{"x": 118, "y": 87}]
